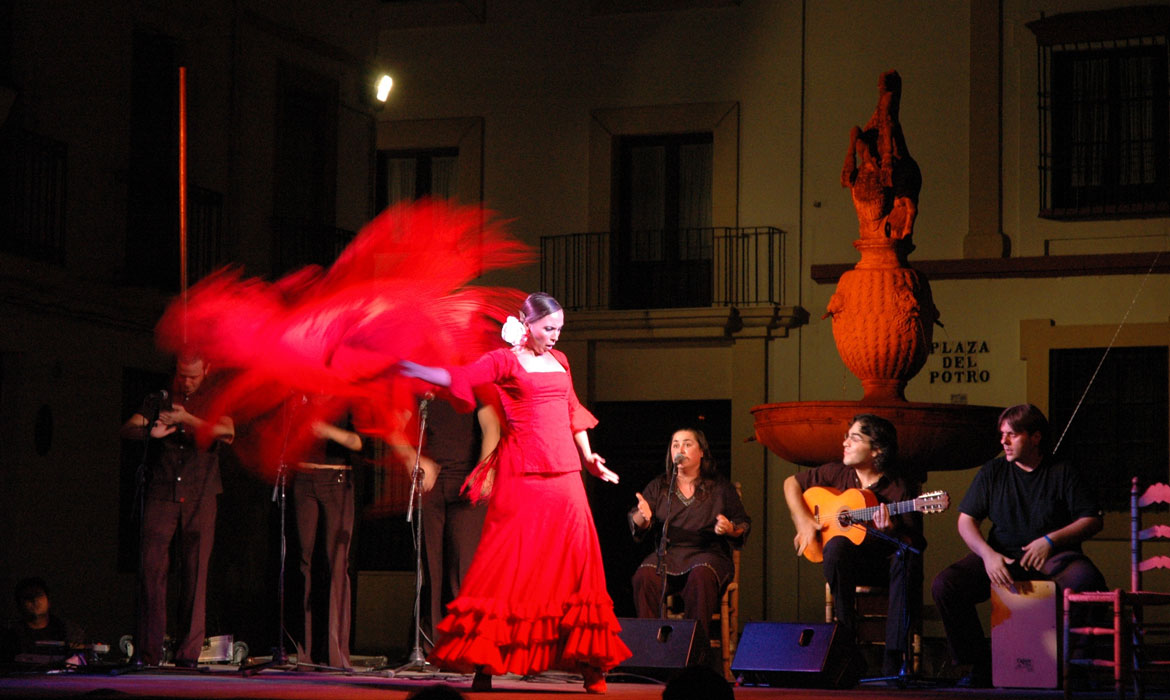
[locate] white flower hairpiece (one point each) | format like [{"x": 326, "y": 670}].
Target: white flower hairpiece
[{"x": 513, "y": 331}]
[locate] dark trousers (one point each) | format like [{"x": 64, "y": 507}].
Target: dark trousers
[
  {"x": 451, "y": 529},
  {"x": 325, "y": 497},
  {"x": 194, "y": 521},
  {"x": 961, "y": 586},
  {"x": 874, "y": 562},
  {"x": 700, "y": 591}
]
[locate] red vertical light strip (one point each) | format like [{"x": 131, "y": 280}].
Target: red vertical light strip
[{"x": 183, "y": 191}]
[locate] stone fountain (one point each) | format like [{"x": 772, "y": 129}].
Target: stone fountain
[{"x": 883, "y": 321}]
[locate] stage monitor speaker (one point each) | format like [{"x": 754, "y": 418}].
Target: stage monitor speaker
[
  {"x": 661, "y": 647},
  {"x": 794, "y": 655}
]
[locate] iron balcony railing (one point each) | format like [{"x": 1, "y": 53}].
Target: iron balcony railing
[{"x": 715, "y": 266}]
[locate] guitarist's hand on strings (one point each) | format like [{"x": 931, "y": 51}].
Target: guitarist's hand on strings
[
  {"x": 881, "y": 518},
  {"x": 806, "y": 533}
]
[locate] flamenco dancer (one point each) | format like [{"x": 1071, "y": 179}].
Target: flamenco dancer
[{"x": 515, "y": 613}]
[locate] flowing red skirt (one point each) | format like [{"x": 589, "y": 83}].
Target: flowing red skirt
[{"x": 534, "y": 598}]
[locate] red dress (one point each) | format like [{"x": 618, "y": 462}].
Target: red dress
[{"x": 534, "y": 597}]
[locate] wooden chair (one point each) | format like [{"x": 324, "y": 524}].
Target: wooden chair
[
  {"x": 727, "y": 617},
  {"x": 1130, "y": 659},
  {"x": 871, "y": 604}
]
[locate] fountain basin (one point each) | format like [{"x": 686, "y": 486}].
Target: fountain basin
[{"x": 931, "y": 436}]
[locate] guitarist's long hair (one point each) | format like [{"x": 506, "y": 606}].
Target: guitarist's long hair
[
  {"x": 882, "y": 437},
  {"x": 707, "y": 470}
]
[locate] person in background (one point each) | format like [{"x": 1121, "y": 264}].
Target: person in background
[
  {"x": 181, "y": 498},
  {"x": 1040, "y": 511},
  {"x": 451, "y": 522},
  {"x": 323, "y": 500},
  {"x": 37, "y": 623}
]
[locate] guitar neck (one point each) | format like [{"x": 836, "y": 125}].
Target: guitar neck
[{"x": 868, "y": 514}]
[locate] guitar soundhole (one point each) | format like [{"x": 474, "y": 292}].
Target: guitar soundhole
[{"x": 843, "y": 519}]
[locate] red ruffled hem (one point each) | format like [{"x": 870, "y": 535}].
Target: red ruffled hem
[{"x": 529, "y": 637}]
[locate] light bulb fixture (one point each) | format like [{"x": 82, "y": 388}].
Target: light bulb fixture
[{"x": 385, "y": 84}]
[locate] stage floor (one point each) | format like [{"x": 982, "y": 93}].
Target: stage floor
[{"x": 228, "y": 682}]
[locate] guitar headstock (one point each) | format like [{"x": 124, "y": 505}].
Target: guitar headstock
[{"x": 932, "y": 502}]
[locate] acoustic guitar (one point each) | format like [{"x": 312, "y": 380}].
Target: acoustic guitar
[{"x": 844, "y": 513}]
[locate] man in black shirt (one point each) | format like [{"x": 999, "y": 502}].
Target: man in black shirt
[
  {"x": 869, "y": 458},
  {"x": 1040, "y": 512},
  {"x": 451, "y": 523},
  {"x": 181, "y": 497},
  {"x": 323, "y": 499}
]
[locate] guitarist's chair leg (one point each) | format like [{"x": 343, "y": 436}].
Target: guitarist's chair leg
[{"x": 871, "y": 605}]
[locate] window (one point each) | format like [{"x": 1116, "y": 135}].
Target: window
[
  {"x": 386, "y": 544},
  {"x": 1120, "y": 429},
  {"x": 662, "y": 240},
  {"x": 1104, "y": 131},
  {"x": 304, "y": 189},
  {"x": 407, "y": 175}
]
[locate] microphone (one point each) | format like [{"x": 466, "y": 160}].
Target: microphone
[
  {"x": 154, "y": 404},
  {"x": 679, "y": 459}
]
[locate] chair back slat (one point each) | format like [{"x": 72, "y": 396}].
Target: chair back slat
[
  {"x": 1159, "y": 562},
  {"x": 1154, "y": 493}
]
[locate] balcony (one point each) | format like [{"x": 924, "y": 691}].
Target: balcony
[{"x": 689, "y": 268}]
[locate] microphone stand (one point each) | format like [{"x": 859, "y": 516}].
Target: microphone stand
[
  {"x": 279, "y": 496},
  {"x": 418, "y": 660},
  {"x": 664, "y": 540},
  {"x": 140, "y": 503},
  {"x": 903, "y": 678}
]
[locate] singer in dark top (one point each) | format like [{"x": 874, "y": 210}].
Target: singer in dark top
[
  {"x": 181, "y": 496},
  {"x": 705, "y": 521}
]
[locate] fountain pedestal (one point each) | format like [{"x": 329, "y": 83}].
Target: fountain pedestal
[
  {"x": 931, "y": 436},
  {"x": 883, "y": 321}
]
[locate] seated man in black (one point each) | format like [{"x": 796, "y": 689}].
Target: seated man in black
[
  {"x": 870, "y": 451},
  {"x": 1040, "y": 512}
]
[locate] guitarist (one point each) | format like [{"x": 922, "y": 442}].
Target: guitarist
[{"x": 869, "y": 454}]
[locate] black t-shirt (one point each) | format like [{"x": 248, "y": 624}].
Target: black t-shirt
[
  {"x": 1023, "y": 505},
  {"x": 328, "y": 451},
  {"x": 181, "y": 469},
  {"x": 452, "y": 440}
]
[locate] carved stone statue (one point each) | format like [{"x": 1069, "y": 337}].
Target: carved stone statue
[
  {"x": 883, "y": 313},
  {"x": 879, "y": 171}
]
